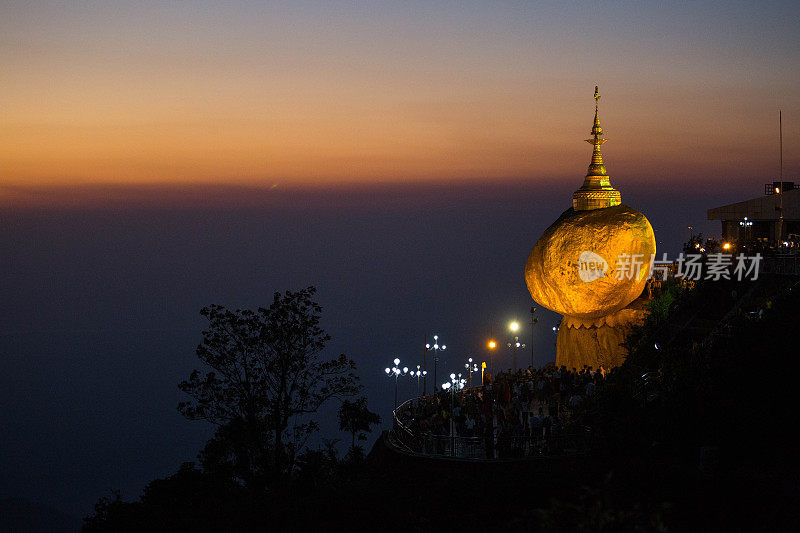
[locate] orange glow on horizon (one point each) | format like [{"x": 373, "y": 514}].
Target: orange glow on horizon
[{"x": 317, "y": 94}]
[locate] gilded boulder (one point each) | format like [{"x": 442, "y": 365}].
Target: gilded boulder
[{"x": 589, "y": 264}]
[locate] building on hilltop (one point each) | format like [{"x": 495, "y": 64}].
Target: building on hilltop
[{"x": 773, "y": 219}]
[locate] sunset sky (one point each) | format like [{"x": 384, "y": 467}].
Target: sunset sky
[{"x": 307, "y": 93}]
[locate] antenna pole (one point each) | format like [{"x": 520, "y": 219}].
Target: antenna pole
[
  {"x": 780, "y": 188},
  {"x": 780, "y": 130}
]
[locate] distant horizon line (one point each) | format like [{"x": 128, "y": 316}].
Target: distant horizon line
[{"x": 171, "y": 194}]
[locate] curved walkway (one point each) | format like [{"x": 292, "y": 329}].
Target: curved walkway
[{"x": 490, "y": 447}]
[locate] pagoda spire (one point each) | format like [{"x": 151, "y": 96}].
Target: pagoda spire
[
  {"x": 596, "y": 192},
  {"x": 596, "y": 167}
]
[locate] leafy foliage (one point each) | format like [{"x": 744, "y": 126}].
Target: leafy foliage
[
  {"x": 355, "y": 418},
  {"x": 267, "y": 378}
]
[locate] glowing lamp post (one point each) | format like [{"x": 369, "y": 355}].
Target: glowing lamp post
[
  {"x": 491, "y": 345},
  {"x": 746, "y": 224},
  {"x": 456, "y": 382},
  {"x": 534, "y": 320},
  {"x": 555, "y": 332},
  {"x": 515, "y": 344},
  {"x": 435, "y": 347},
  {"x": 471, "y": 367},
  {"x": 396, "y": 371},
  {"x": 417, "y": 373}
]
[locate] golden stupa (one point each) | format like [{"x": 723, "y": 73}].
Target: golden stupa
[{"x": 591, "y": 265}]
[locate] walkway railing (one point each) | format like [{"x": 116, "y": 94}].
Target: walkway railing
[{"x": 487, "y": 447}]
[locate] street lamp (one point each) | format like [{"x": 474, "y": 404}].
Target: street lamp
[
  {"x": 472, "y": 367},
  {"x": 515, "y": 345},
  {"x": 435, "y": 347},
  {"x": 456, "y": 382},
  {"x": 396, "y": 371},
  {"x": 555, "y": 342},
  {"x": 746, "y": 224},
  {"x": 534, "y": 320},
  {"x": 491, "y": 345},
  {"x": 418, "y": 373}
]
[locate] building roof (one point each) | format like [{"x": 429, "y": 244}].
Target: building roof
[{"x": 761, "y": 208}]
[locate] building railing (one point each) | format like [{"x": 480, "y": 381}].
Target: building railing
[{"x": 787, "y": 264}]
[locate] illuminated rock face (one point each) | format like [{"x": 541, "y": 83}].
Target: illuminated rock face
[{"x": 579, "y": 266}]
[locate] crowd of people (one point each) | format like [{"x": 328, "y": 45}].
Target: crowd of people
[{"x": 510, "y": 414}]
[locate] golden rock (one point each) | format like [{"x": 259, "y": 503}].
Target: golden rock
[{"x": 593, "y": 263}]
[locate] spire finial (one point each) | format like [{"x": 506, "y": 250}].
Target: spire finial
[
  {"x": 596, "y": 129},
  {"x": 596, "y": 191},
  {"x": 596, "y": 168}
]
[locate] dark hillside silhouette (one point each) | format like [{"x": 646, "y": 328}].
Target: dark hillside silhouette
[{"x": 690, "y": 434}]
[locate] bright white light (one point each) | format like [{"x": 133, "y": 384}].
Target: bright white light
[
  {"x": 397, "y": 361},
  {"x": 424, "y": 372},
  {"x": 444, "y": 347},
  {"x": 445, "y": 386},
  {"x": 470, "y": 359},
  {"x": 405, "y": 369},
  {"x": 427, "y": 346},
  {"x": 436, "y": 337},
  {"x": 517, "y": 345},
  {"x": 452, "y": 376},
  {"x": 513, "y": 326},
  {"x": 435, "y": 346},
  {"x": 387, "y": 370},
  {"x": 397, "y": 371}
]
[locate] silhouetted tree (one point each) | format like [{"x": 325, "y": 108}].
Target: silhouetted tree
[
  {"x": 317, "y": 467},
  {"x": 239, "y": 451},
  {"x": 354, "y": 417},
  {"x": 189, "y": 500},
  {"x": 267, "y": 378}
]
